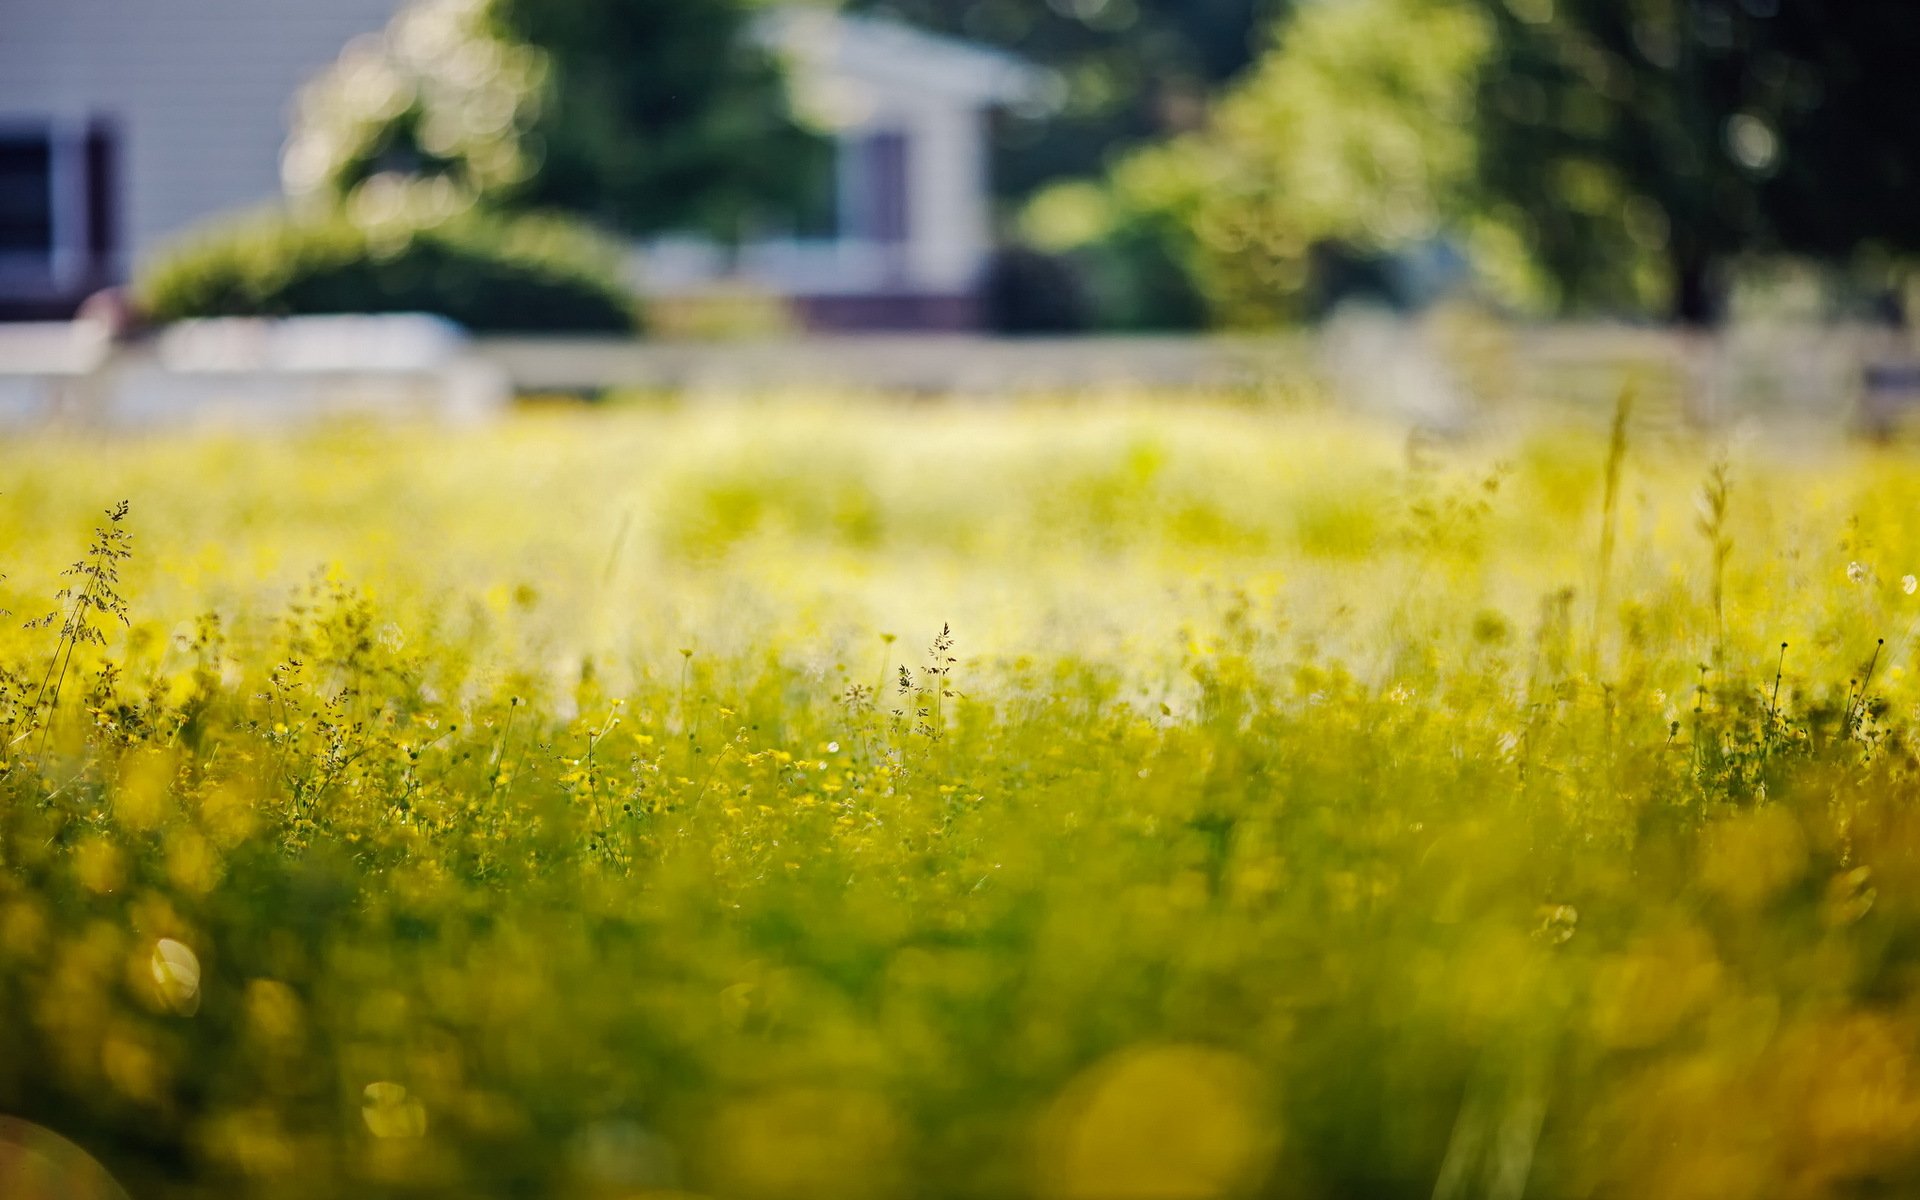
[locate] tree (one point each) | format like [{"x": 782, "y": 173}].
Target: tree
[
  {"x": 1610, "y": 155},
  {"x": 645, "y": 115},
  {"x": 1692, "y": 132},
  {"x": 1132, "y": 70},
  {"x": 1352, "y": 140}
]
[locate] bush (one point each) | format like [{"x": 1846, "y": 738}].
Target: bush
[
  {"x": 491, "y": 274},
  {"x": 1350, "y": 144},
  {"x": 1028, "y": 291},
  {"x": 1135, "y": 259}
]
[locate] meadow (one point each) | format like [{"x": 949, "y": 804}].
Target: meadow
[{"x": 1113, "y": 798}]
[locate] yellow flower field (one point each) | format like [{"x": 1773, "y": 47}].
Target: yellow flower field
[{"x": 1160, "y": 798}]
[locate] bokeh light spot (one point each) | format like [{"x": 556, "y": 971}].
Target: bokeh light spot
[{"x": 1175, "y": 1122}]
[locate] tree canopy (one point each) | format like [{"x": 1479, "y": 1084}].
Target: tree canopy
[
  {"x": 1698, "y": 132},
  {"x": 1352, "y": 138},
  {"x": 1131, "y": 70},
  {"x": 1583, "y": 155},
  {"x": 644, "y": 116}
]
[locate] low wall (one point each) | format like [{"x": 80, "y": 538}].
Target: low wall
[
  {"x": 1440, "y": 372},
  {"x": 1436, "y": 373},
  {"x": 957, "y": 364},
  {"x": 233, "y": 373}
]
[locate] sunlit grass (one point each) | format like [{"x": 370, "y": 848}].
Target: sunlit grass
[{"x": 591, "y": 806}]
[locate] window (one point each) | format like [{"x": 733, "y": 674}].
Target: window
[
  {"x": 58, "y": 220},
  {"x": 26, "y": 197},
  {"x": 876, "y": 192}
]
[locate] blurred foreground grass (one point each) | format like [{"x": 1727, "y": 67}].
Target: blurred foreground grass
[{"x": 593, "y": 807}]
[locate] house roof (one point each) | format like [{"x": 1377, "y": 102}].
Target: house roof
[{"x": 879, "y": 51}]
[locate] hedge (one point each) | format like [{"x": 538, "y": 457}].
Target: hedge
[{"x": 488, "y": 272}]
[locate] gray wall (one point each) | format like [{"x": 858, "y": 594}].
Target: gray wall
[{"x": 200, "y": 90}]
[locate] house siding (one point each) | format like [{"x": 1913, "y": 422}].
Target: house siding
[{"x": 198, "y": 92}]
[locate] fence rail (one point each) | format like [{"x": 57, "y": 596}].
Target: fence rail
[{"x": 1436, "y": 372}]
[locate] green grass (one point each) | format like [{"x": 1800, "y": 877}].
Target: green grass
[{"x": 593, "y": 807}]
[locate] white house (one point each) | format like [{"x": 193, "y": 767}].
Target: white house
[
  {"x": 123, "y": 122},
  {"x": 913, "y": 213}
]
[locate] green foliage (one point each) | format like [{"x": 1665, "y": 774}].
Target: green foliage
[
  {"x": 487, "y": 272},
  {"x": 1137, "y": 258},
  {"x": 641, "y": 116},
  {"x": 1586, "y": 155},
  {"x": 1640, "y": 148},
  {"x": 1354, "y": 136},
  {"x": 1132, "y": 70},
  {"x": 437, "y": 94},
  {"x": 664, "y": 115},
  {"x": 1028, "y": 291}
]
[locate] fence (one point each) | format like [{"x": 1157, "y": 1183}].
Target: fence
[{"x": 1444, "y": 372}]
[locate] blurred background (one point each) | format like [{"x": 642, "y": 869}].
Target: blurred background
[{"x": 686, "y": 171}]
